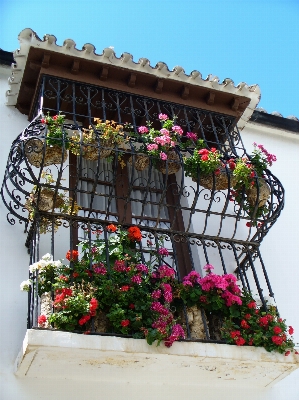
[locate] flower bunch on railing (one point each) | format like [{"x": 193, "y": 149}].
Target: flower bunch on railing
[
  {"x": 250, "y": 188},
  {"x": 110, "y": 289},
  {"x": 55, "y": 131},
  {"x": 160, "y": 145},
  {"x": 96, "y": 141}
]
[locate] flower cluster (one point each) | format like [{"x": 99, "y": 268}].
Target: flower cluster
[
  {"x": 249, "y": 186},
  {"x": 56, "y": 136},
  {"x": 158, "y": 143},
  {"x": 203, "y": 161},
  {"x": 255, "y": 326}
]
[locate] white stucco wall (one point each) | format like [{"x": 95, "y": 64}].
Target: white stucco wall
[{"x": 280, "y": 252}]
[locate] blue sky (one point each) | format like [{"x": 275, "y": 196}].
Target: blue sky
[{"x": 252, "y": 41}]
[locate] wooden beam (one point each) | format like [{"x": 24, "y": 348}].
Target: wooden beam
[
  {"x": 75, "y": 67},
  {"x": 132, "y": 80},
  {"x": 235, "y": 104},
  {"x": 185, "y": 92},
  {"x": 104, "y": 73},
  {"x": 46, "y": 60},
  {"x": 159, "y": 86},
  {"x": 210, "y": 99}
]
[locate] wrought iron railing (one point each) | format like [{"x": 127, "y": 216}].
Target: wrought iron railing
[{"x": 200, "y": 225}]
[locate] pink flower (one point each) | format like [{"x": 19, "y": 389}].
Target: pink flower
[
  {"x": 177, "y": 129},
  {"x": 136, "y": 279},
  {"x": 163, "y": 156},
  {"x": 164, "y": 131},
  {"x": 120, "y": 266},
  {"x": 163, "y": 252},
  {"x": 191, "y": 136},
  {"x": 163, "y": 117},
  {"x": 177, "y": 333},
  {"x": 142, "y": 129},
  {"x": 152, "y": 147},
  {"x": 166, "y": 272},
  {"x": 156, "y": 294},
  {"x": 100, "y": 269},
  {"x": 142, "y": 268},
  {"x": 208, "y": 267}
]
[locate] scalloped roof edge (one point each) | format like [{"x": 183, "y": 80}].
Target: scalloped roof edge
[{"x": 28, "y": 38}]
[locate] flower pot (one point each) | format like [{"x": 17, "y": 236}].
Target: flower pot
[
  {"x": 46, "y": 200},
  {"x": 46, "y": 307},
  {"x": 215, "y": 325},
  {"x": 91, "y": 151},
  {"x": 258, "y": 195},
  {"x": 222, "y": 181},
  {"x": 35, "y": 150},
  {"x": 195, "y": 322},
  {"x": 171, "y": 165},
  {"x": 139, "y": 161}
]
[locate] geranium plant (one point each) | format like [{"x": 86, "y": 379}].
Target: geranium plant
[
  {"x": 249, "y": 186},
  {"x": 56, "y": 134},
  {"x": 256, "y": 326}
]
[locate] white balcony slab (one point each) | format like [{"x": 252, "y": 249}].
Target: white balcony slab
[{"x": 50, "y": 354}]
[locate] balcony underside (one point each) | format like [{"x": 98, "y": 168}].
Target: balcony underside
[{"x": 58, "y": 355}]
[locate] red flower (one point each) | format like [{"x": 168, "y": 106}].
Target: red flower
[
  {"x": 277, "y": 330},
  {"x": 232, "y": 165},
  {"x": 250, "y": 342},
  {"x": 235, "y": 334},
  {"x": 125, "y": 322},
  {"x": 111, "y": 228},
  {"x": 205, "y": 157},
  {"x": 287, "y": 353},
  {"x": 247, "y": 316},
  {"x": 55, "y": 117},
  {"x": 125, "y": 288},
  {"x": 134, "y": 234},
  {"x": 203, "y": 152},
  {"x": 213, "y": 150},
  {"x": 217, "y": 171},
  {"x": 248, "y": 224},
  {"x": 240, "y": 341},
  {"x": 72, "y": 255},
  {"x": 291, "y": 330},
  {"x": 278, "y": 340},
  {"x": 84, "y": 319},
  {"x": 263, "y": 321},
  {"x": 252, "y": 304},
  {"x": 43, "y": 121},
  {"x": 93, "y": 305},
  {"x": 75, "y": 274},
  {"x": 42, "y": 319},
  {"x": 244, "y": 324},
  {"x": 132, "y": 306}
]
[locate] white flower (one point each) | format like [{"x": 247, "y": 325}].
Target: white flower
[
  {"x": 33, "y": 267},
  {"x": 25, "y": 285},
  {"x": 47, "y": 257},
  {"x": 57, "y": 264}
]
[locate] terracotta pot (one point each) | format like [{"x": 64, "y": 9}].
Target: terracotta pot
[{"x": 35, "y": 149}]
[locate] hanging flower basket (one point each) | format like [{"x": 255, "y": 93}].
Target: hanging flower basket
[
  {"x": 258, "y": 195},
  {"x": 223, "y": 181},
  {"x": 38, "y": 153},
  {"x": 139, "y": 161},
  {"x": 92, "y": 152},
  {"x": 171, "y": 165}
]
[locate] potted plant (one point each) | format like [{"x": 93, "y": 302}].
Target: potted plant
[
  {"x": 249, "y": 184},
  {"x": 205, "y": 166},
  {"x": 97, "y": 141},
  {"x": 47, "y": 198},
  {"x": 53, "y": 148},
  {"x": 159, "y": 145}
]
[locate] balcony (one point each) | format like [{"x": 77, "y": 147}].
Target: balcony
[{"x": 50, "y": 354}]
